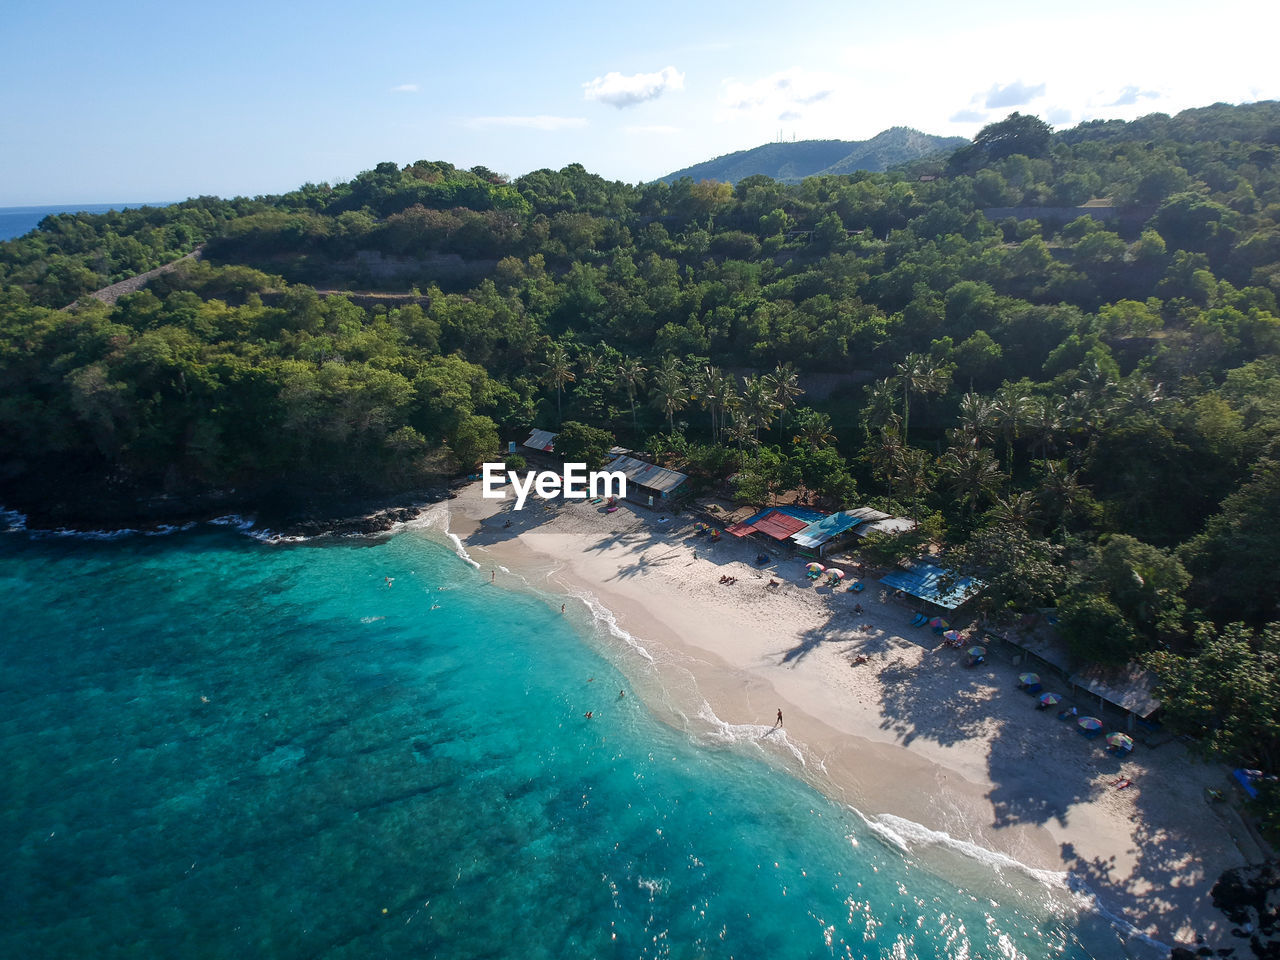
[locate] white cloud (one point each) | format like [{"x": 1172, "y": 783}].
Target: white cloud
[
  {"x": 652, "y": 129},
  {"x": 968, "y": 116},
  {"x": 623, "y": 91},
  {"x": 783, "y": 95},
  {"x": 539, "y": 122},
  {"x": 1012, "y": 94},
  {"x": 1131, "y": 95},
  {"x": 405, "y": 88}
]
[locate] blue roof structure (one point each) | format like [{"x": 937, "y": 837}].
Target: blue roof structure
[
  {"x": 924, "y": 580},
  {"x": 828, "y": 528},
  {"x": 800, "y": 513}
]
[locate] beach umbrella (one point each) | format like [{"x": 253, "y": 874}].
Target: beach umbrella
[
  {"x": 952, "y": 635},
  {"x": 1050, "y": 699},
  {"x": 977, "y": 651},
  {"x": 814, "y": 567},
  {"x": 1120, "y": 741},
  {"x": 938, "y": 623},
  {"x": 1028, "y": 679},
  {"x": 835, "y": 574},
  {"x": 1090, "y": 724}
]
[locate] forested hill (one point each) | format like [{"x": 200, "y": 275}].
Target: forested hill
[
  {"x": 792, "y": 162},
  {"x": 1087, "y": 413}
]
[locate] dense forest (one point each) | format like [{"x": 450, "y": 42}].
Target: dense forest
[{"x": 1084, "y": 408}]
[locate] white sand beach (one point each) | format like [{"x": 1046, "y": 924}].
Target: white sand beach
[{"x": 912, "y": 738}]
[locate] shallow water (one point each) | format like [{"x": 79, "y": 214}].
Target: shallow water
[{"x": 219, "y": 748}]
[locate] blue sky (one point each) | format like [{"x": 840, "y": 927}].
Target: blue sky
[{"x": 160, "y": 101}]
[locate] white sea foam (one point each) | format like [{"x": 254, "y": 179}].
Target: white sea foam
[
  {"x": 62, "y": 532},
  {"x": 757, "y": 733},
  {"x": 906, "y": 834},
  {"x": 12, "y": 521},
  {"x": 167, "y": 528},
  {"x": 609, "y": 620},
  {"x": 232, "y": 520},
  {"x": 437, "y": 518}
]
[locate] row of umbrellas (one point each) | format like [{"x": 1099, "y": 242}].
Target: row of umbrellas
[
  {"x": 1087, "y": 725},
  {"x": 833, "y": 573}
]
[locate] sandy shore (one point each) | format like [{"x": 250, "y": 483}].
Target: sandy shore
[{"x": 918, "y": 743}]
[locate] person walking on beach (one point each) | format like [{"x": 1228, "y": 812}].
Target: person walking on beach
[
  {"x": 777, "y": 723},
  {"x": 492, "y": 574}
]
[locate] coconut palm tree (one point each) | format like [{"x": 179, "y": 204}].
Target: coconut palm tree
[
  {"x": 1060, "y": 492},
  {"x": 669, "y": 389},
  {"x": 759, "y": 406},
  {"x": 886, "y": 454},
  {"x": 879, "y": 406},
  {"x": 556, "y": 371},
  {"x": 1009, "y": 408},
  {"x": 784, "y": 384},
  {"x": 977, "y": 419},
  {"x": 913, "y": 475},
  {"x": 813, "y": 428},
  {"x": 919, "y": 374},
  {"x": 974, "y": 475},
  {"x": 709, "y": 386},
  {"x": 630, "y": 374},
  {"x": 1016, "y": 510},
  {"x": 1043, "y": 423}
]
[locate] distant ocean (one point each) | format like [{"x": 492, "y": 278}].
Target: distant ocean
[
  {"x": 15, "y": 221},
  {"x": 222, "y": 748}
]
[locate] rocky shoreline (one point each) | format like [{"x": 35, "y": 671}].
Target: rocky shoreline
[{"x": 301, "y": 516}]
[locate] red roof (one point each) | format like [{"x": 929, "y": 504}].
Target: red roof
[{"x": 780, "y": 525}]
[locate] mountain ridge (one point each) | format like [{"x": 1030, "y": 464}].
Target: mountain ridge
[{"x": 792, "y": 162}]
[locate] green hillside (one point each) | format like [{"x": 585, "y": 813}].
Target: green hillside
[{"x": 792, "y": 162}]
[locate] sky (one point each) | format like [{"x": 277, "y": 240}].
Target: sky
[{"x": 133, "y": 101}]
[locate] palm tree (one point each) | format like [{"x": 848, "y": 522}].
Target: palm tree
[
  {"x": 589, "y": 362},
  {"x": 712, "y": 387},
  {"x": 1136, "y": 393},
  {"x": 886, "y": 456},
  {"x": 556, "y": 371},
  {"x": 879, "y": 406},
  {"x": 977, "y": 419},
  {"x": 920, "y": 374},
  {"x": 1060, "y": 491},
  {"x": 1043, "y": 422},
  {"x": 814, "y": 429},
  {"x": 913, "y": 473},
  {"x": 669, "y": 389},
  {"x": 758, "y": 404},
  {"x": 1016, "y": 510},
  {"x": 1010, "y": 407},
  {"x": 630, "y": 374},
  {"x": 974, "y": 475},
  {"x": 730, "y": 402},
  {"x": 784, "y": 383}
]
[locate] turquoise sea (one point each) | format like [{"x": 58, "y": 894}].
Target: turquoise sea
[{"x": 216, "y": 747}]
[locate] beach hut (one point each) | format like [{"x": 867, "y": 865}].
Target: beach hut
[
  {"x": 940, "y": 587},
  {"x": 647, "y": 482}
]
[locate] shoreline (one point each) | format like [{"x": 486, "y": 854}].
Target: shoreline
[{"x": 910, "y": 740}]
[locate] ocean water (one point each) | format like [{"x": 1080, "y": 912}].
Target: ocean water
[
  {"x": 15, "y": 221},
  {"x": 216, "y": 747}
]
